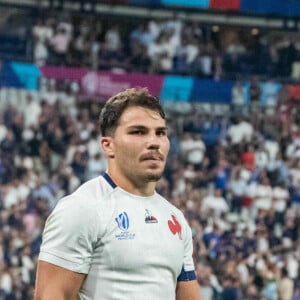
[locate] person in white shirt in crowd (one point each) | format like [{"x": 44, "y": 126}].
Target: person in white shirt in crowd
[
  {"x": 294, "y": 172},
  {"x": 262, "y": 240},
  {"x": 292, "y": 265},
  {"x": 215, "y": 203},
  {"x": 68, "y": 99},
  {"x": 243, "y": 270},
  {"x": 6, "y": 280},
  {"x": 40, "y": 52},
  {"x": 112, "y": 38},
  {"x": 263, "y": 195},
  {"x": 32, "y": 111},
  {"x": 43, "y": 30},
  {"x": 161, "y": 52},
  {"x": 240, "y": 130},
  {"x": 84, "y": 126},
  {"x": 185, "y": 54},
  {"x": 3, "y": 129},
  {"x": 96, "y": 165},
  {"x": 238, "y": 98},
  {"x": 59, "y": 43},
  {"x": 93, "y": 143},
  {"x": 28, "y": 265},
  {"x": 205, "y": 58},
  {"x": 293, "y": 149},
  {"x": 50, "y": 94},
  {"x": 261, "y": 157},
  {"x": 193, "y": 149},
  {"x": 236, "y": 190},
  {"x": 281, "y": 198},
  {"x": 271, "y": 145},
  {"x": 9, "y": 195}
]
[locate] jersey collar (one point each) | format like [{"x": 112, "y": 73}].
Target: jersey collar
[{"x": 109, "y": 180}]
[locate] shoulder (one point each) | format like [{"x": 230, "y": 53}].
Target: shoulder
[
  {"x": 94, "y": 188},
  {"x": 86, "y": 199},
  {"x": 82, "y": 212},
  {"x": 90, "y": 192},
  {"x": 167, "y": 206}
]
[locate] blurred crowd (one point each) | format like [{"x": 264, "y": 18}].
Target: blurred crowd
[
  {"x": 235, "y": 175},
  {"x": 167, "y": 46}
]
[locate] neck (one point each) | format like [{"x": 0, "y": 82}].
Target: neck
[{"x": 133, "y": 186}]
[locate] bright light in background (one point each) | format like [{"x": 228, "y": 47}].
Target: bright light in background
[
  {"x": 254, "y": 31},
  {"x": 215, "y": 28}
]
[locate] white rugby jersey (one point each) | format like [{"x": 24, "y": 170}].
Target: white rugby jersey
[{"x": 130, "y": 247}]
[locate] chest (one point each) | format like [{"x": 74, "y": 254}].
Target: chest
[{"x": 142, "y": 236}]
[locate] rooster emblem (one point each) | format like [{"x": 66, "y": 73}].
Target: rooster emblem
[{"x": 175, "y": 226}]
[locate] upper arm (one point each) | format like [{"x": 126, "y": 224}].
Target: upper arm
[
  {"x": 188, "y": 290},
  {"x": 70, "y": 235},
  {"x": 54, "y": 282},
  {"x": 187, "y": 286}
]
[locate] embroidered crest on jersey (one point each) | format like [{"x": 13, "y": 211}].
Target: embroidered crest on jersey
[
  {"x": 123, "y": 223},
  {"x": 149, "y": 218},
  {"x": 175, "y": 226}
]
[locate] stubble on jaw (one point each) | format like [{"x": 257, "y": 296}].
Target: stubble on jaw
[{"x": 153, "y": 177}]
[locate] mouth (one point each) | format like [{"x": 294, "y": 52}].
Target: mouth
[{"x": 153, "y": 157}]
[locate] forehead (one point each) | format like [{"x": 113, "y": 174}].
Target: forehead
[{"x": 138, "y": 115}]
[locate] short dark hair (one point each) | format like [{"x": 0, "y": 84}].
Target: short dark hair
[{"x": 115, "y": 106}]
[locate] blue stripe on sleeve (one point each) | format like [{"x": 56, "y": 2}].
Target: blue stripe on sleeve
[{"x": 186, "y": 275}]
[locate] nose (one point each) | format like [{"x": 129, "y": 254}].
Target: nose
[{"x": 153, "y": 142}]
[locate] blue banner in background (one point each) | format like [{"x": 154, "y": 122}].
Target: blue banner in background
[
  {"x": 211, "y": 91},
  {"x": 176, "y": 88},
  {"x": 269, "y": 93},
  {"x": 193, "y": 3},
  {"x": 19, "y": 75},
  {"x": 171, "y": 88},
  {"x": 8, "y": 77},
  {"x": 27, "y": 74},
  {"x": 277, "y": 7},
  {"x": 145, "y": 2}
]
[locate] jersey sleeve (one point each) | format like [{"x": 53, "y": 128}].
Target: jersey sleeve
[
  {"x": 188, "y": 268},
  {"x": 70, "y": 235}
]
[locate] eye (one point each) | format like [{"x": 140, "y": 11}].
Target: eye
[
  {"x": 137, "y": 132},
  {"x": 161, "y": 133}
]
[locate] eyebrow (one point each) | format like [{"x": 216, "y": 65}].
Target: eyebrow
[{"x": 165, "y": 128}]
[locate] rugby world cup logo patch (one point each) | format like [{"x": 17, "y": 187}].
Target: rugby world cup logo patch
[{"x": 122, "y": 221}]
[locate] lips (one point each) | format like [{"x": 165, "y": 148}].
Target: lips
[{"x": 157, "y": 157}]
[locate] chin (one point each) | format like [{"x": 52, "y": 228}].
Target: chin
[{"x": 153, "y": 176}]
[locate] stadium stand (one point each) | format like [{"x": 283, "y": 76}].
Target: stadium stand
[{"x": 234, "y": 170}]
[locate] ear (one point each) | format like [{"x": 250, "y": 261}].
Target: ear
[{"x": 107, "y": 146}]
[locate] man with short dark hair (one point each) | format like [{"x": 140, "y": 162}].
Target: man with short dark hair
[{"x": 115, "y": 237}]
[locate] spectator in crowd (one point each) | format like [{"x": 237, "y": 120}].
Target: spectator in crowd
[
  {"x": 255, "y": 94},
  {"x": 236, "y": 191},
  {"x": 285, "y": 286},
  {"x": 238, "y": 99}
]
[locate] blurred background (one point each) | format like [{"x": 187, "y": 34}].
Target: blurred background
[{"x": 228, "y": 75}]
